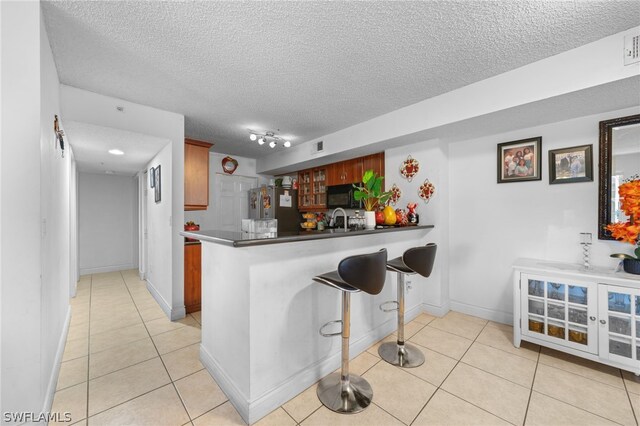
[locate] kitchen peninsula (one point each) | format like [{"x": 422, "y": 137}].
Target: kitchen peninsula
[{"x": 261, "y": 311}]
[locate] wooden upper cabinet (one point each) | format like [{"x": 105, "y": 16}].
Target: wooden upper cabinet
[
  {"x": 374, "y": 162},
  {"x": 344, "y": 172},
  {"x": 196, "y": 174}
]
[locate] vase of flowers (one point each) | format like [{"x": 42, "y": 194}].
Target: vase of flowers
[
  {"x": 372, "y": 195},
  {"x": 628, "y": 231}
]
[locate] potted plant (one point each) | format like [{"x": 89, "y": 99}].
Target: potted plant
[
  {"x": 628, "y": 231},
  {"x": 371, "y": 194}
]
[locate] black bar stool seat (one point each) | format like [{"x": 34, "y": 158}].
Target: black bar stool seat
[
  {"x": 343, "y": 392},
  {"x": 333, "y": 279},
  {"x": 397, "y": 265},
  {"x": 416, "y": 260}
]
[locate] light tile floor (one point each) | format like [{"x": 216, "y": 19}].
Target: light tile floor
[{"x": 126, "y": 364}]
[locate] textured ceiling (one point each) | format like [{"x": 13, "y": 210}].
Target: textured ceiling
[
  {"x": 91, "y": 144},
  {"x": 307, "y": 68}
]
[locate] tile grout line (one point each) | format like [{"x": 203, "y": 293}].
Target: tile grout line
[
  {"x": 445, "y": 379},
  {"x": 624, "y": 383},
  {"x": 124, "y": 402},
  {"x": 162, "y": 360},
  {"x": 533, "y": 381}
]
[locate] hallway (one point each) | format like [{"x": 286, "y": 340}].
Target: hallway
[{"x": 126, "y": 363}]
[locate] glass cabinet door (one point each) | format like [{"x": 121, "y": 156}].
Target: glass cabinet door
[
  {"x": 560, "y": 311},
  {"x": 619, "y": 323}
]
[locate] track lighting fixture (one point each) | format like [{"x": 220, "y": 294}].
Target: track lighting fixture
[{"x": 268, "y": 136}]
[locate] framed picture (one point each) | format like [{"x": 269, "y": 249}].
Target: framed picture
[
  {"x": 570, "y": 165},
  {"x": 158, "y": 184},
  {"x": 520, "y": 160},
  {"x": 152, "y": 177}
]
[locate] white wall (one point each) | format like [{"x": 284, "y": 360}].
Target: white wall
[
  {"x": 207, "y": 219},
  {"x": 592, "y": 65},
  {"x": 108, "y": 223},
  {"x": 491, "y": 225},
  {"x": 433, "y": 292},
  {"x": 159, "y": 232},
  {"x": 92, "y": 108},
  {"x": 35, "y": 196}
]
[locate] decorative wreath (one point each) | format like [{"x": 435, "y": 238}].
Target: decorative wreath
[
  {"x": 426, "y": 190},
  {"x": 229, "y": 165},
  {"x": 396, "y": 193},
  {"x": 409, "y": 168}
]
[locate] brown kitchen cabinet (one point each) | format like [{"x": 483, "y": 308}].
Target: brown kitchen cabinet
[
  {"x": 192, "y": 276},
  {"x": 374, "y": 162},
  {"x": 312, "y": 189},
  {"x": 345, "y": 172},
  {"x": 196, "y": 174}
]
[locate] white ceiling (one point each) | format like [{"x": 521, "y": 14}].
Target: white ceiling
[
  {"x": 91, "y": 144},
  {"x": 307, "y": 68}
]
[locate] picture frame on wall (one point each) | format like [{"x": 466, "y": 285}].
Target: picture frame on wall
[
  {"x": 571, "y": 165},
  {"x": 158, "y": 184},
  {"x": 520, "y": 160},
  {"x": 152, "y": 177}
]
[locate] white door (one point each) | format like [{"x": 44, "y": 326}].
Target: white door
[
  {"x": 231, "y": 200},
  {"x": 619, "y": 322},
  {"x": 560, "y": 311}
]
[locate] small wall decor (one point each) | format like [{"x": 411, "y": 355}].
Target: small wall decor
[
  {"x": 396, "y": 193},
  {"x": 152, "y": 177},
  {"x": 229, "y": 165},
  {"x": 158, "y": 184},
  {"x": 520, "y": 160},
  {"x": 409, "y": 168},
  {"x": 59, "y": 133},
  {"x": 426, "y": 190},
  {"x": 569, "y": 165}
]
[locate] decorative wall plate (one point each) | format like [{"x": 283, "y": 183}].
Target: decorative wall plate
[
  {"x": 409, "y": 168},
  {"x": 229, "y": 165},
  {"x": 426, "y": 190},
  {"x": 396, "y": 193}
]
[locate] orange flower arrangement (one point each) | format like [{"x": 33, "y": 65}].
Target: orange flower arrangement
[{"x": 627, "y": 232}]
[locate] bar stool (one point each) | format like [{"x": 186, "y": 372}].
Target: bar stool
[
  {"x": 343, "y": 392},
  {"x": 415, "y": 260}
]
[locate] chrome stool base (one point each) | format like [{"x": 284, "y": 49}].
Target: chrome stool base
[
  {"x": 355, "y": 398},
  {"x": 406, "y": 356}
]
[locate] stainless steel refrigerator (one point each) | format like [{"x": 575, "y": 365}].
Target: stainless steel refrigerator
[{"x": 276, "y": 203}]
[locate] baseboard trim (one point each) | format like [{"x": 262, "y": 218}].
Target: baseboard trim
[
  {"x": 252, "y": 410},
  {"x": 172, "y": 313},
  {"x": 478, "y": 311},
  {"x": 53, "y": 379},
  {"x": 237, "y": 398},
  {"x": 438, "y": 311},
  {"x": 102, "y": 269}
]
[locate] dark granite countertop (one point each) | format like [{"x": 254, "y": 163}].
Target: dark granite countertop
[{"x": 240, "y": 239}]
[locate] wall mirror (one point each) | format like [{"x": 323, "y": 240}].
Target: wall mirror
[{"x": 619, "y": 160}]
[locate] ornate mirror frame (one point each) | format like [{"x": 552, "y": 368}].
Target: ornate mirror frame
[{"x": 604, "y": 168}]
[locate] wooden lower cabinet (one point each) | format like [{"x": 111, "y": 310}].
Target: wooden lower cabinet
[{"x": 192, "y": 277}]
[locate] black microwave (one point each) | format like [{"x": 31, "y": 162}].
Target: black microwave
[{"x": 342, "y": 196}]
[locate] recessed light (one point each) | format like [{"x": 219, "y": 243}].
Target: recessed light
[
  {"x": 116, "y": 152},
  {"x": 287, "y": 144},
  {"x": 253, "y": 137},
  {"x": 272, "y": 144}
]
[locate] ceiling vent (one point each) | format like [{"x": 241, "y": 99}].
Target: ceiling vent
[
  {"x": 317, "y": 147},
  {"x": 631, "y": 49}
]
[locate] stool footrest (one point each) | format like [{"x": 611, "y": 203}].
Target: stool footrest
[
  {"x": 393, "y": 302},
  {"x": 337, "y": 333}
]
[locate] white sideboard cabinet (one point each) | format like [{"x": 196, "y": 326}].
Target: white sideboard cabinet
[{"x": 594, "y": 314}]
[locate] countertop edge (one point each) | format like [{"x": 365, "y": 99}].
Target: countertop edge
[{"x": 293, "y": 239}]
